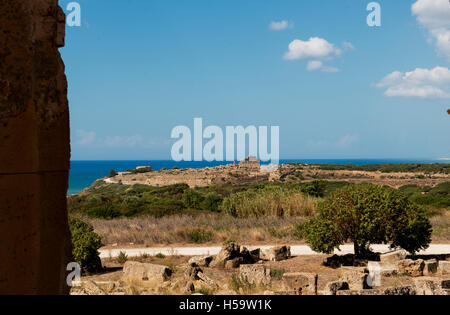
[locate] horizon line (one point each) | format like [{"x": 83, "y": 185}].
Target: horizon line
[{"x": 284, "y": 159}]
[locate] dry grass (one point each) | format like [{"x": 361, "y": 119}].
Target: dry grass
[
  {"x": 200, "y": 229},
  {"x": 441, "y": 226},
  {"x": 209, "y": 228},
  {"x": 270, "y": 202}
]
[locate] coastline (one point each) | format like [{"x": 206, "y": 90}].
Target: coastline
[{"x": 84, "y": 173}]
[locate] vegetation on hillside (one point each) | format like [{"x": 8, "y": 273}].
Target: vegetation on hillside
[
  {"x": 110, "y": 201},
  {"x": 433, "y": 197},
  {"x": 141, "y": 170},
  {"x": 257, "y": 212},
  {"x": 390, "y": 168},
  {"x": 267, "y": 199}
]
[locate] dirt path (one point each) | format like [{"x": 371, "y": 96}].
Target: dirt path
[{"x": 296, "y": 250}]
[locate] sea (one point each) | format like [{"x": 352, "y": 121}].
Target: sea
[{"x": 84, "y": 173}]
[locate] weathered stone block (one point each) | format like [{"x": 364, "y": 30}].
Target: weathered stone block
[
  {"x": 228, "y": 252},
  {"x": 135, "y": 271},
  {"x": 276, "y": 253},
  {"x": 91, "y": 288},
  {"x": 206, "y": 281},
  {"x": 431, "y": 267},
  {"x": 444, "y": 267},
  {"x": 413, "y": 268},
  {"x": 402, "y": 290},
  {"x": 360, "y": 292},
  {"x": 431, "y": 286},
  {"x": 250, "y": 257},
  {"x": 356, "y": 277},
  {"x": 234, "y": 263},
  {"x": 255, "y": 274},
  {"x": 303, "y": 283},
  {"x": 331, "y": 288},
  {"x": 201, "y": 261},
  {"x": 393, "y": 257}
]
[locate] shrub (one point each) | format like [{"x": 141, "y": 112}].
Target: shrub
[
  {"x": 193, "y": 199},
  {"x": 277, "y": 273},
  {"x": 160, "y": 256},
  {"x": 228, "y": 241},
  {"x": 141, "y": 170},
  {"x": 299, "y": 232},
  {"x": 435, "y": 197},
  {"x": 105, "y": 211},
  {"x": 122, "y": 258},
  {"x": 212, "y": 202},
  {"x": 112, "y": 173},
  {"x": 200, "y": 235},
  {"x": 315, "y": 188},
  {"x": 367, "y": 214},
  {"x": 85, "y": 243}
]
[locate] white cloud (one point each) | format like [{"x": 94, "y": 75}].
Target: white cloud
[
  {"x": 279, "y": 26},
  {"x": 315, "y": 47},
  {"x": 317, "y": 50},
  {"x": 434, "y": 15},
  {"x": 348, "y": 46},
  {"x": 85, "y": 137},
  {"x": 422, "y": 83},
  {"x": 315, "y": 65}
]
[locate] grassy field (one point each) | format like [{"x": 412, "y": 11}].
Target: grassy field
[
  {"x": 254, "y": 213},
  {"x": 203, "y": 228}
]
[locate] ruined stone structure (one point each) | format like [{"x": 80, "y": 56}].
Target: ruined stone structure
[
  {"x": 34, "y": 149},
  {"x": 250, "y": 163}
]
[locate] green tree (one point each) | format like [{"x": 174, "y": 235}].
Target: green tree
[
  {"x": 112, "y": 173},
  {"x": 85, "y": 243},
  {"x": 368, "y": 214}
]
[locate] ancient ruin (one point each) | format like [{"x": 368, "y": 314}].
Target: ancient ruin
[
  {"x": 238, "y": 270},
  {"x": 34, "y": 149}
]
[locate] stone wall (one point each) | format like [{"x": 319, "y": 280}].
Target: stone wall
[{"x": 34, "y": 149}]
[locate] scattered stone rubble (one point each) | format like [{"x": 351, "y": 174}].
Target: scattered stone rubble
[
  {"x": 135, "y": 271},
  {"x": 301, "y": 283},
  {"x": 255, "y": 274},
  {"x": 201, "y": 261},
  {"x": 232, "y": 256},
  {"x": 444, "y": 267},
  {"x": 430, "y": 277},
  {"x": 276, "y": 253}
]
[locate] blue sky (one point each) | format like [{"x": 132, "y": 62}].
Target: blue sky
[{"x": 136, "y": 69}]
